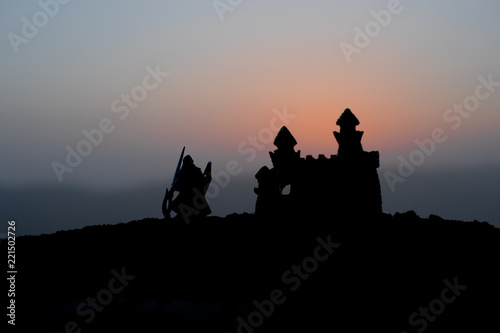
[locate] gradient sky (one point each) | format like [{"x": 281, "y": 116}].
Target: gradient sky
[{"x": 227, "y": 79}]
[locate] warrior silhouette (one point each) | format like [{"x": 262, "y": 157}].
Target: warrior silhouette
[{"x": 192, "y": 186}]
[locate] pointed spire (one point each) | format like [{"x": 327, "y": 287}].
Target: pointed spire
[
  {"x": 284, "y": 139},
  {"x": 347, "y": 119}
]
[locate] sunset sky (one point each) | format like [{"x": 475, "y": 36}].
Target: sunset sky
[{"x": 208, "y": 75}]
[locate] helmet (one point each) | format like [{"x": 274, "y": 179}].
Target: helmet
[{"x": 187, "y": 160}]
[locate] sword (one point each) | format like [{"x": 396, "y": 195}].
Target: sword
[
  {"x": 176, "y": 174},
  {"x": 168, "y": 199}
]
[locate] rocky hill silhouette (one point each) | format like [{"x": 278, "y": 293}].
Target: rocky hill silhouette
[
  {"x": 321, "y": 258},
  {"x": 204, "y": 276}
]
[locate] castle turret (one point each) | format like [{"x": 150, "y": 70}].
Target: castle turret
[
  {"x": 349, "y": 139},
  {"x": 285, "y": 154},
  {"x": 284, "y": 140},
  {"x": 347, "y": 121}
]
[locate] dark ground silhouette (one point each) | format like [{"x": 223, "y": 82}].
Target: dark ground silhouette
[
  {"x": 323, "y": 258},
  {"x": 203, "y": 276}
]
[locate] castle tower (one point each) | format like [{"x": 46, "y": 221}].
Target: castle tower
[
  {"x": 285, "y": 156},
  {"x": 285, "y": 140},
  {"x": 349, "y": 139}
]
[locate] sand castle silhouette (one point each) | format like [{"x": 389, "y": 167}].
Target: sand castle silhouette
[{"x": 346, "y": 183}]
